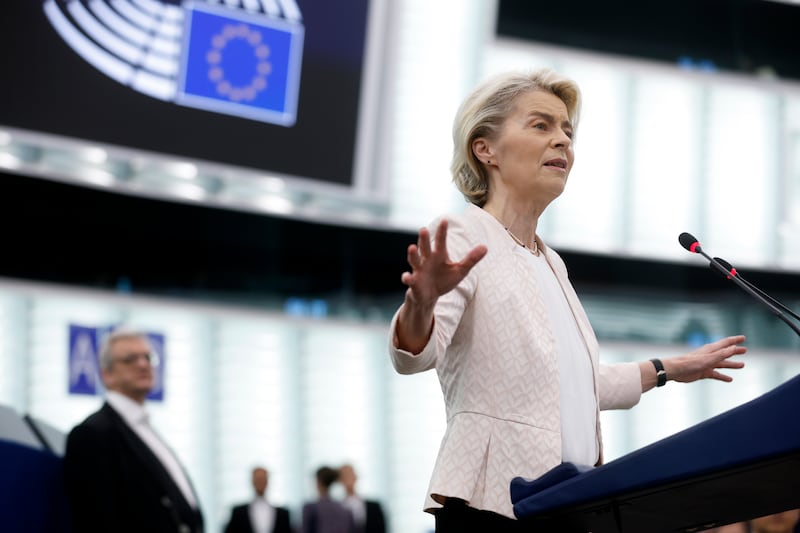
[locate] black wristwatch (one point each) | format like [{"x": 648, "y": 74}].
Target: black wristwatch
[{"x": 661, "y": 374}]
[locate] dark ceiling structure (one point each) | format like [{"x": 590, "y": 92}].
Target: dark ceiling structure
[{"x": 757, "y": 37}]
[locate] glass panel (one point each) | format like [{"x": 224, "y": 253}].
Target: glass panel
[
  {"x": 13, "y": 371},
  {"x": 789, "y": 228},
  {"x": 426, "y": 95},
  {"x": 255, "y": 409},
  {"x": 416, "y": 426},
  {"x": 741, "y": 170},
  {"x": 339, "y": 424},
  {"x": 665, "y": 162}
]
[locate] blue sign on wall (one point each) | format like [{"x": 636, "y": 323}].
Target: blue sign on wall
[
  {"x": 84, "y": 367},
  {"x": 84, "y": 361},
  {"x": 159, "y": 364}
]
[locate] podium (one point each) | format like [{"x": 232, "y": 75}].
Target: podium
[
  {"x": 32, "y": 498},
  {"x": 741, "y": 464}
]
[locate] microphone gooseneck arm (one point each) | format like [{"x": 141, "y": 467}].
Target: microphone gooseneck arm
[
  {"x": 693, "y": 245},
  {"x": 732, "y": 273}
]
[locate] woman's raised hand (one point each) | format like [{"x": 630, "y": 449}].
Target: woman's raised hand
[{"x": 432, "y": 272}]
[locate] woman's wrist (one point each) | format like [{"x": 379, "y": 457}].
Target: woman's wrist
[{"x": 414, "y": 327}]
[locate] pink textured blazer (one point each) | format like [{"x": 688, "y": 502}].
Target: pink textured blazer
[{"x": 493, "y": 349}]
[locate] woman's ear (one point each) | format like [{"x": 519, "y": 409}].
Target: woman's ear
[{"x": 482, "y": 150}]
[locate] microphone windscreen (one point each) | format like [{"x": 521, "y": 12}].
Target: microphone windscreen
[
  {"x": 724, "y": 263},
  {"x": 688, "y": 241}
]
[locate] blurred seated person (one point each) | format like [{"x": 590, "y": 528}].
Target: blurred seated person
[{"x": 259, "y": 516}]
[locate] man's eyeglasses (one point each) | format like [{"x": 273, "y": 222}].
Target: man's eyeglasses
[{"x": 131, "y": 358}]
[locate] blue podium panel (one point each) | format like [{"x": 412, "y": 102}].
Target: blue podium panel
[
  {"x": 738, "y": 465},
  {"x": 32, "y": 496}
]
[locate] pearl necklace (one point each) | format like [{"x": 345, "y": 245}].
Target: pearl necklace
[{"x": 534, "y": 250}]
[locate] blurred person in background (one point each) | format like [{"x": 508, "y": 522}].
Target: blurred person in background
[
  {"x": 489, "y": 305},
  {"x": 326, "y": 515},
  {"x": 259, "y": 516},
  {"x": 120, "y": 476},
  {"x": 367, "y": 514}
]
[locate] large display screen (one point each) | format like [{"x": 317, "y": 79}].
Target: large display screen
[{"x": 273, "y": 85}]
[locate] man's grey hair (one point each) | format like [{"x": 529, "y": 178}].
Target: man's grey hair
[{"x": 115, "y": 335}]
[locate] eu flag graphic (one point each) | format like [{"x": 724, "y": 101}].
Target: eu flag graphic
[{"x": 242, "y": 64}]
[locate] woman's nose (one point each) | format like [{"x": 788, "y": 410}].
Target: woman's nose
[{"x": 561, "y": 138}]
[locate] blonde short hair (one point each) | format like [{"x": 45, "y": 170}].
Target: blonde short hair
[{"x": 482, "y": 115}]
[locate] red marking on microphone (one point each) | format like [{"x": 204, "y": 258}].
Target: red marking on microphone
[
  {"x": 732, "y": 273},
  {"x": 693, "y": 246}
]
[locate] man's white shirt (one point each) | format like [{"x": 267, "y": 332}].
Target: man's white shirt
[
  {"x": 262, "y": 515},
  {"x": 137, "y": 419},
  {"x": 358, "y": 508}
]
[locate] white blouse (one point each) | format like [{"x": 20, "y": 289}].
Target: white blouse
[{"x": 578, "y": 408}]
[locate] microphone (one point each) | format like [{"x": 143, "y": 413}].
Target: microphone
[
  {"x": 732, "y": 271},
  {"x": 689, "y": 242}
]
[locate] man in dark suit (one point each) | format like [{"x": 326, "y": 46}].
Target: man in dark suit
[
  {"x": 120, "y": 477},
  {"x": 259, "y": 516},
  {"x": 368, "y": 514}
]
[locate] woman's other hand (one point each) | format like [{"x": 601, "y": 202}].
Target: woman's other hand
[{"x": 706, "y": 361}]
